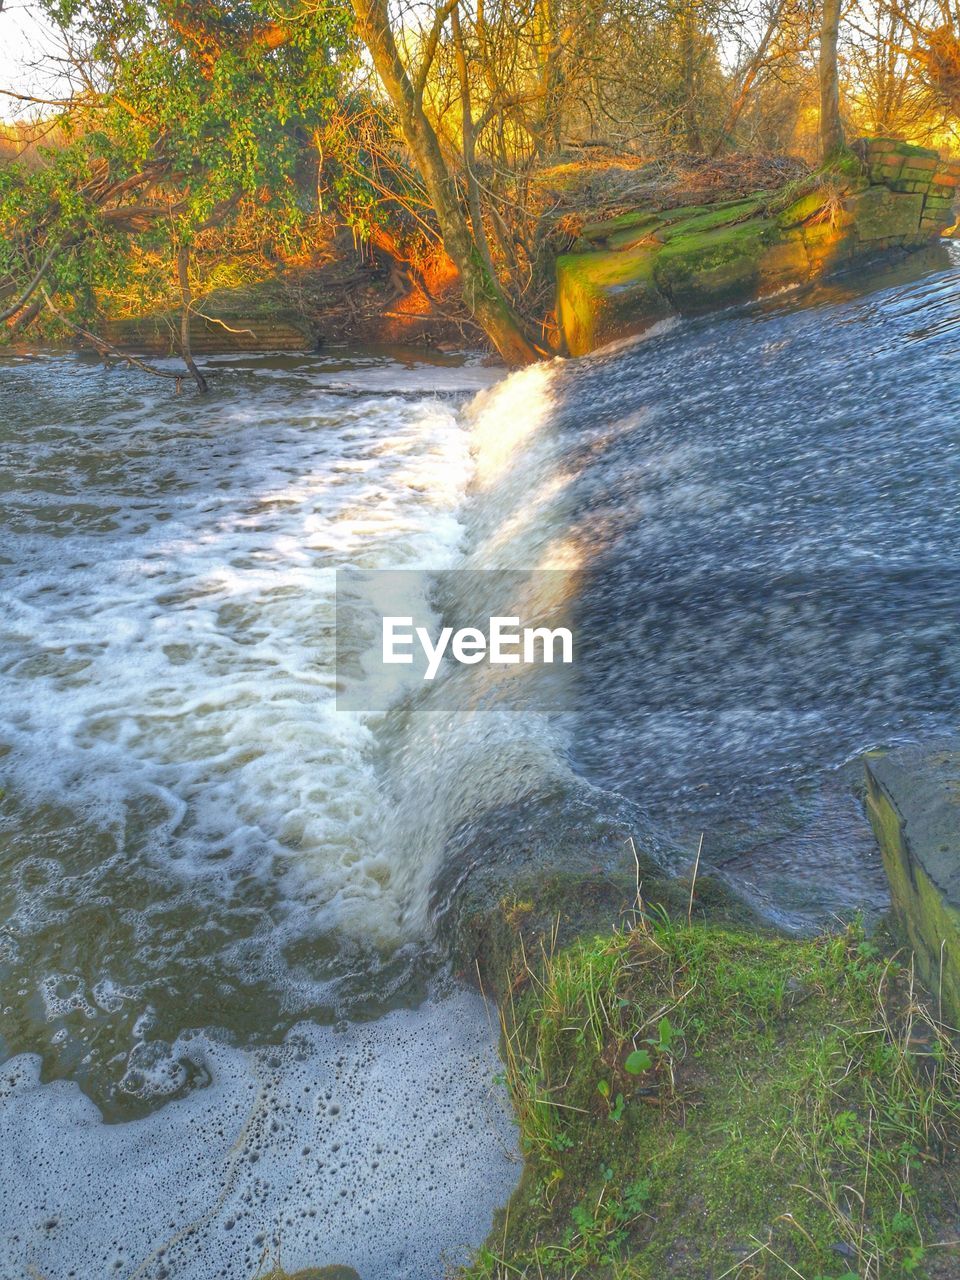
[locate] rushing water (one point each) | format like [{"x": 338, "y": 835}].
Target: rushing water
[{"x": 217, "y": 891}]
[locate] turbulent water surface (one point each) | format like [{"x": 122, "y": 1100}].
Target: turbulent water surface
[{"x": 217, "y": 890}]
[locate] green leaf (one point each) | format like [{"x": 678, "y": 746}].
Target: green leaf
[{"x": 638, "y": 1062}]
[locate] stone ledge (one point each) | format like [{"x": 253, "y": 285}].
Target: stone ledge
[
  {"x": 159, "y": 334},
  {"x": 644, "y": 266},
  {"x": 913, "y": 802}
]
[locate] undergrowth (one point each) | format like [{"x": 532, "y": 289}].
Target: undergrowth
[{"x": 704, "y": 1103}]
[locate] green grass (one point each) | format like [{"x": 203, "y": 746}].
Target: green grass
[{"x": 700, "y": 1102}]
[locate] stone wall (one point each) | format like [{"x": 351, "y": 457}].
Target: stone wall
[
  {"x": 159, "y": 334},
  {"x": 631, "y": 271},
  {"x": 264, "y": 316}
]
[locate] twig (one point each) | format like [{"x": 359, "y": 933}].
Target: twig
[
  {"x": 636, "y": 859},
  {"x": 693, "y": 882},
  {"x": 216, "y": 320}
]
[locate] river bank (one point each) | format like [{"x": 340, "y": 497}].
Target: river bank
[
  {"x": 623, "y": 250},
  {"x": 701, "y": 1098},
  {"x": 880, "y": 197}
]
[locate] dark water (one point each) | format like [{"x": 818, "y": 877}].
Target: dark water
[{"x": 767, "y": 506}]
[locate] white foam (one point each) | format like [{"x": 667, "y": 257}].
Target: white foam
[
  {"x": 168, "y": 638},
  {"x": 382, "y": 1146},
  {"x": 167, "y": 709}
]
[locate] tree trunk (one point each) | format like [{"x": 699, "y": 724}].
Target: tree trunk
[
  {"x": 831, "y": 128},
  {"x": 550, "y": 56},
  {"x": 747, "y": 80},
  {"x": 481, "y": 290},
  {"x": 469, "y": 144},
  {"x": 692, "y": 139}
]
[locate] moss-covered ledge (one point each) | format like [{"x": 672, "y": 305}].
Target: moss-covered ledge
[
  {"x": 642, "y": 267},
  {"x": 913, "y": 800}
]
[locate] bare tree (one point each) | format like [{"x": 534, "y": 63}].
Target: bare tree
[
  {"x": 886, "y": 87},
  {"x": 831, "y": 126},
  {"x": 768, "y": 41},
  {"x": 933, "y": 49},
  {"x": 463, "y": 239}
]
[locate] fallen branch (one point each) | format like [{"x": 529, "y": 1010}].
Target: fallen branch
[
  {"x": 108, "y": 350},
  {"x": 195, "y": 310},
  {"x": 32, "y": 287}
]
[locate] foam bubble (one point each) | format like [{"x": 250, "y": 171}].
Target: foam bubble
[
  {"x": 383, "y": 1146},
  {"x": 167, "y": 635},
  {"x": 191, "y": 826}
]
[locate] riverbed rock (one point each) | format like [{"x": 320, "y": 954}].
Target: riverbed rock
[
  {"x": 644, "y": 266},
  {"x": 913, "y": 801}
]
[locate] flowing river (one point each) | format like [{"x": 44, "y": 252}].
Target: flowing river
[{"x": 230, "y": 1036}]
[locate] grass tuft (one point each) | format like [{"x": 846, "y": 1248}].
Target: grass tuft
[{"x": 695, "y": 1101}]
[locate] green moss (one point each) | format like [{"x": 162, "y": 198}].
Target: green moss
[
  {"x": 846, "y": 163},
  {"x": 496, "y": 925},
  {"x": 708, "y": 218},
  {"x": 702, "y": 269},
  {"x": 632, "y": 237},
  {"x": 635, "y": 220},
  {"x": 869, "y": 198},
  {"x": 599, "y": 293},
  {"x": 880, "y": 213},
  {"x": 776, "y": 1075},
  {"x": 627, "y": 230},
  {"x": 932, "y": 924},
  {"x": 606, "y": 270},
  {"x": 803, "y": 209}
]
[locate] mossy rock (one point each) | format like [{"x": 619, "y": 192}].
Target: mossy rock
[
  {"x": 885, "y": 145},
  {"x": 601, "y": 296},
  {"x": 913, "y": 800},
  {"x": 690, "y": 221},
  {"x": 939, "y": 203},
  {"x": 882, "y": 194},
  {"x": 700, "y": 270},
  {"x": 880, "y": 214},
  {"x": 785, "y": 261},
  {"x": 632, "y": 237},
  {"x": 829, "y": 248},
  {"x": 626, "y": 222},
  {"x": 802, "y": 209}
]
